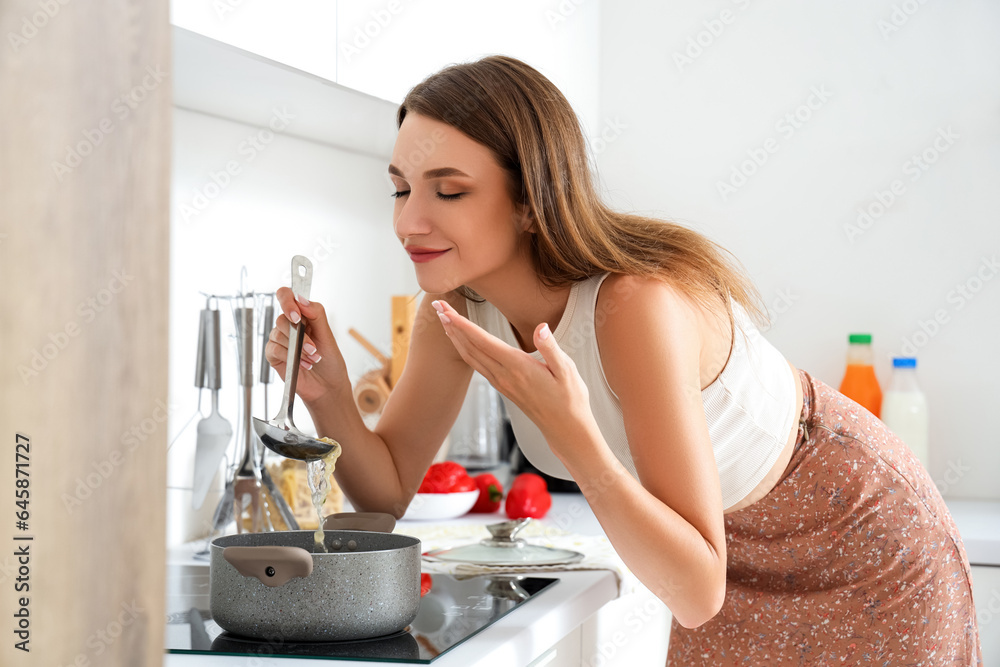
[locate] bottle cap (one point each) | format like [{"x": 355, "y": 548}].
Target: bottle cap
[
  {"x": 904, "y": 362},
  {"x": 860, "y": 338}
]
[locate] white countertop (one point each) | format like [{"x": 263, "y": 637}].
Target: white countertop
[
  {"x": 516, "y": 639},
  {"x": 521, "y": 636},
  {"x": 979, "y": 524},
  {"x": 525, "y": 633}
]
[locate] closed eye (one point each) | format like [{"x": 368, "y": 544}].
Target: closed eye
[{"x": 403, "y": 193}]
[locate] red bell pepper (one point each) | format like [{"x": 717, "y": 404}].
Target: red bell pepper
[
  {"x": 490, "y": 494},
  {"x": 426, "y": 583},
  {"x": 446, "y": 477},
  {"x": 528, "y": 497}
]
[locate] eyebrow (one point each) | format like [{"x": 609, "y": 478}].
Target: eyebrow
[{"x": 431, "y": 173}]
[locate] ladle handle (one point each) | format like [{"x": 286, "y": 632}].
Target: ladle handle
[{"x": 301, "y": 283}]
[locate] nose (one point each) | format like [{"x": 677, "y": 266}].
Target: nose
[{"x": 410, "y": 218}]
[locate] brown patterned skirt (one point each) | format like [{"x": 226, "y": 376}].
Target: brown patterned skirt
[{"x": 851, "y": 559}]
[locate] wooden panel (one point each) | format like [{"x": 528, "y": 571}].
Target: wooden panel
[
  {"x": 84, "y": 243},
  {"x": 404, "y": 310}
]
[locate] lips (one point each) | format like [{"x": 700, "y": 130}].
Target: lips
[{"x": 425, "y": 254}]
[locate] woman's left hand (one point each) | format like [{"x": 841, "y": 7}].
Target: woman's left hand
[{"x": 551, "y": 392}]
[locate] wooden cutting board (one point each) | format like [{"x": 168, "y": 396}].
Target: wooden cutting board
[{"x": 404, "y": 310}]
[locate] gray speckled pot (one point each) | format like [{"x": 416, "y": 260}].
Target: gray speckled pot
[{"x": 367, "y": 586}]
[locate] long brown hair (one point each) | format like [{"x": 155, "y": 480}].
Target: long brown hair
[{"x": 516, "y": 112}]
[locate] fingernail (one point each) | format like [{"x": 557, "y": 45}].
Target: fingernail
[
  {"x": 444, "y": 318},
  {"x": 438, "y": 306},
  {"x": 306, "y": 365},
  {"x": 301, "y": 299},
  {"x": 544, "y": 333},
  {"x": 315, "y": 358},
  {"x": 309, "y": 348},
  {"x": 294, "y": 317}
]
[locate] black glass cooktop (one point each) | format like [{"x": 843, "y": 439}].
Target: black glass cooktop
[{"x": 453, "y": 610}]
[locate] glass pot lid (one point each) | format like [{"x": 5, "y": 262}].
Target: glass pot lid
[{"x": 504, "y": 548}]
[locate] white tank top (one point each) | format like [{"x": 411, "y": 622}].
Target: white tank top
[{"x": 749, "y": 408}]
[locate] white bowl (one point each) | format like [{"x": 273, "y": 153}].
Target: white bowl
[{"x": 436, "y": 506}]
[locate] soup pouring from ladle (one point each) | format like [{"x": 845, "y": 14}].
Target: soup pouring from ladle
[{"x": 280, "y": 434}]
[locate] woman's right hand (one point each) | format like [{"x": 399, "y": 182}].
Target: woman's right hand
[{"x": 322, "y": 367}]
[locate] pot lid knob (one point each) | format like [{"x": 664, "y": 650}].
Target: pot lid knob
[{"x": 504, "y": 533}]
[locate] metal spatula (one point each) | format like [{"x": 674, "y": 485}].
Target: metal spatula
[{"x": 214, "y": 431}]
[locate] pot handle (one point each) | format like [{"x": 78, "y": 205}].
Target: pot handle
[
  {"x": 273, "y": 566},
  {"x": 376, "y": 522}
]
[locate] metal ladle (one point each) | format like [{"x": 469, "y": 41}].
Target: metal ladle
[{"x": 280, "y": 434}]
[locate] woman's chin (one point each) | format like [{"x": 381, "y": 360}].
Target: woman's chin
[{"x": 436, "y": 284}]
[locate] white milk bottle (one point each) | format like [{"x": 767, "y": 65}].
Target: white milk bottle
[{"x": 904, "y": 407}]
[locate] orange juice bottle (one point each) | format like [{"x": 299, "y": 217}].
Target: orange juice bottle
[{"x": 859, "y": 383}]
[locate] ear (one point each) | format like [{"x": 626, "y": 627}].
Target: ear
[{"x": 526, "y": 220}]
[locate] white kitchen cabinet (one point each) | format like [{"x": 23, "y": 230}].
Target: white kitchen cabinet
[
  {"x": 631, "y": 631},
  {"x": 986, "y": 593},
  {"x": 385, "y": 47},
  {"x": 566, "y": 653},
  {"x": 297, "y": 33}
]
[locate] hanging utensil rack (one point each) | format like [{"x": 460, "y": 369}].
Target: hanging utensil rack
[{"x": 253, "y": 318}]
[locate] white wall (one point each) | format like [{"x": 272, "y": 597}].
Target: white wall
[
  {"x": 385, "y": 47},
  {"x": 292, "y": 197},
  {"x": 885, "y": 94}
]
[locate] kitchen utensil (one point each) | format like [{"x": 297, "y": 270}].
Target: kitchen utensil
[
  {"x": 280, "y": 434},
  {"x": 404, "y": 312},
  {"x": 200, "y": 641},
  {"x": 477, "y": 436},
  {"x": 266, "y": 324},
  {"x": 504, "y": 548},
  {"x": 246, "y": 487},
  {"x": 279, "y": 500},
  {"x": 438, "y": 506},
  {"x": 214, "y": 431},
  {"x": 280, "y": 504},
  {"x": 366, "y": 585},
  {"x": 372, "y": 390},
  {"x": 224, "y": 510},
  {"x": 379, "y": 522},
  {"x": 451, "y": 615}
]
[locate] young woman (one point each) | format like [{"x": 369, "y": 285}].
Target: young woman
[{"x": 779, "y": 521}]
